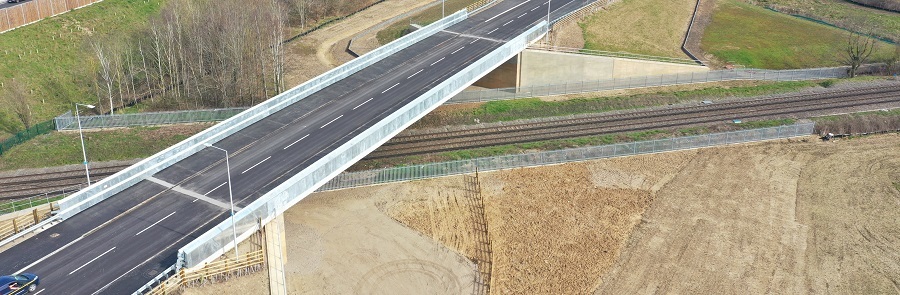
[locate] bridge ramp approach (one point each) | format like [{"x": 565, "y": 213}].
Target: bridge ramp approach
[{"x": 122, "y": 241}]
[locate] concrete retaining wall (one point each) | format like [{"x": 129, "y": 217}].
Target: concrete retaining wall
[{"x": 538, "y": 67}]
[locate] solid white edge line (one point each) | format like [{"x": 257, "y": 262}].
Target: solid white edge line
[
  {"x": 410, "y": 76},
  {"x": 215, "y": 188},
  {"x": 49, "y": 255},
  {"x": 455, "y": 51},
  {"x": 92, "y": 260},
  {"x": 389, "y": 88},
  {"x": 155, "y": 223},
  {"x": 514, "y": 7},
  {"x": 363, "y": 103},
  {"x": 39, "y": 292},
  {"x": 296, "y": 141},
  {"x": 332, "y": 121},
  {"x": 257, "y": 164},
  {"x": 434, "y": 63}
]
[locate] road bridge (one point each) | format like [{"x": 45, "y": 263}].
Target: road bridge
[{"x": 174, "y": 208}]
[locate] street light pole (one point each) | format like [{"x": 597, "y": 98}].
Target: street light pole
[
  {"x": 443, "y": 15},
  {"x": 87, "y": 173},
  {"x": 548, "y": 14},
  {"x": 230, "y": 198}
]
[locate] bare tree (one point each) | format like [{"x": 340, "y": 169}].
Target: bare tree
[
  {"x": 859, "y": 48},
  {"x": 15, "y": 99}
]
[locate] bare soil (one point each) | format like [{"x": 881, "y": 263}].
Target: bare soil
[{"x": 789, "y": 216}]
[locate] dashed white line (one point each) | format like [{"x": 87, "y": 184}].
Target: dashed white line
[
  {"x": 92, "y": 260},
  {"x": 39, "y": 292},
  {"x": 533, "y": 9},
  {"x": 434, "y": 63},
  {"x": 332, "y": 121},
  {"x": 296, "y": 141},
  {"x": 155, "y": 223},
  {"x": 522, "y": 15},
  {"x": 514, "y": 7},
  {"x": 389, "y": 88},
  {"x": 455, "y": 51},
  {"x": 506, "y": 23},
  {"x": 363, "y": 103},
  {"x": 215, "y": 188},
  {"x": 473, "y": 41},
  {"x": 260, "y": 162},
  {"x": 494, "y": 30},
  {"x": 413, "y": 75}
]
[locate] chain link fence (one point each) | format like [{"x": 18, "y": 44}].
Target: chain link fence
[
  {"x": 647, "y": 81},
  {"x": 68, "y": 122},
  {"x": 27, "y": 134},
  {"x": 432, "y": 170}
]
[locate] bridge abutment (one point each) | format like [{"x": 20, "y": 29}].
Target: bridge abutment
[{"x": 276, "y": 255}]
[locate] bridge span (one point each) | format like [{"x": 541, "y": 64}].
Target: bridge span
[{"x": 173, "y": 209}]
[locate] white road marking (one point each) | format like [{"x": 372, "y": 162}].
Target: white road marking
[
  {"x": 434, "y": 63},
  {"x": 514, "y": 7},
  {"x": 266, "y": 159},
  {"x": 455, "y": 51},
  {"x": 92, "y": 260},
  {"x": 522, "y": 15},
  {"x": 155, "y": 223},
  {"x": 192, "y": 194},
  {"x": 214, "y": 188},
  {"x": 506, "y": 23},
  {"x": 389, "y": 88},
  {"x": 296, "y": 141},
  {"x": 365, "y": 102},
  {"x": 332, "y": 121},
  {"x": 49, "y": 255},
  {"x": 473, "y": 41},
  {"x": 39, "y": 292},
  {"x": 195, "y": 200},
  {"x": 494, "y": 30},
  {"x": 533, "y": 9},
  {"x": 410, "y": 76}
]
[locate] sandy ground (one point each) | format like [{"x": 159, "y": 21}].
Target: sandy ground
[
  {"x": 323, "y": 49},
  {"x": 790, "y": 216}
]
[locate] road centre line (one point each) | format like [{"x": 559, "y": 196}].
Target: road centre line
[
  {"x": 507, "y": 23},
  {"x": 410, "y": 76},
  {"x": 363, "y": 103},
  {"x": 386, "y": 90},
  {"x": 332, "y": 121},
  {"x": 296, "y": 141},
  {"x": 92, "y": 260},
  {"x": 434, "y": 63},
  {"x": 260, "y": 162},
  {"x": 215, "y": 188},
  {"x": 155, "y": 223},
  {"x": 455, "y": 51},
  {"x": 514, "y": 7}
]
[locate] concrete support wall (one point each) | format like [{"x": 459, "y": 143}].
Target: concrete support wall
[
  {"x": 504, "y": 76},
  {"x": 276, "y": 255},
  {"x": 539, "y": 67}
]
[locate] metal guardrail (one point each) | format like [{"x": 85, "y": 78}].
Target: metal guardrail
[
  {"x": 646, "y": 81},
  {"x": 219, "y": 239},
  {"x": 433, "y": 170}
]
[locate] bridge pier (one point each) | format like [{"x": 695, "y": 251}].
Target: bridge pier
[{"x": 276, "y": 255}]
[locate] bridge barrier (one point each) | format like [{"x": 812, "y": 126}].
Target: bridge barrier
[
  {"x": 576, "y": 87},
  {"x": 67, "y": 121},
  {"x": 432, "y": 170},
  {"x": 116, "y": 183},
  {"x": 219, "y": 239}
]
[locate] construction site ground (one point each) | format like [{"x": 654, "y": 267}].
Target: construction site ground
[{"x": 797, "y": 216}]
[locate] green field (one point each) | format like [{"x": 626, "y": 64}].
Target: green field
[
  {"x": 754, "y": 37},
  {"x": 843, "y": 14},
  {"x": 52, "y": 56}
]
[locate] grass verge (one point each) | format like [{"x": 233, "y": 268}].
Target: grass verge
[
  {"x": 754, "y": 37},
  {"x": 651, "y": 27},
  {"x": 843, "y": 14},
  {"x": 427, "y": 16},
  {"x": 53, "y": 58}
]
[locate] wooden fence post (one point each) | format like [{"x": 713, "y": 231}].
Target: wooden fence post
[
  {"x": 15, "y": 226},
  {"x": 34, "y": 213}
]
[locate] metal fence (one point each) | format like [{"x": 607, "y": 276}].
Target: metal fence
[
  {"x": 432, "y": 170},
  {"x": 25, "y": 135},
  {"x": 647, "y": 81},
  {"x": 68, "y": 122},
  {"x": 546, "y": 47},
  {"x": 219, "y": 239}
]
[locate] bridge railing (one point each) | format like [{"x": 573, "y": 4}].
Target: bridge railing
[
  {"x": 116, "y": 183},
  {"x": 219, "y": 239}
]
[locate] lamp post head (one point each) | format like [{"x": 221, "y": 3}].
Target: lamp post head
[{"x": 90, "y": 106}]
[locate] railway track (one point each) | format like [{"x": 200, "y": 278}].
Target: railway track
[{"x": 17, "y": 187}]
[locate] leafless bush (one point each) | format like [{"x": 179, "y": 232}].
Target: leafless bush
[
  {"x": 859, "y": 124},
  {"x": 196, "y": 54}
]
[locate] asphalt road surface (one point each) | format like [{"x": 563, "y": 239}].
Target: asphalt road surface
[{"x": 119, "y": 244}]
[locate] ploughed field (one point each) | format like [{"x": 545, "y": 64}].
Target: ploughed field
[{"x": 796, "y": 216}]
